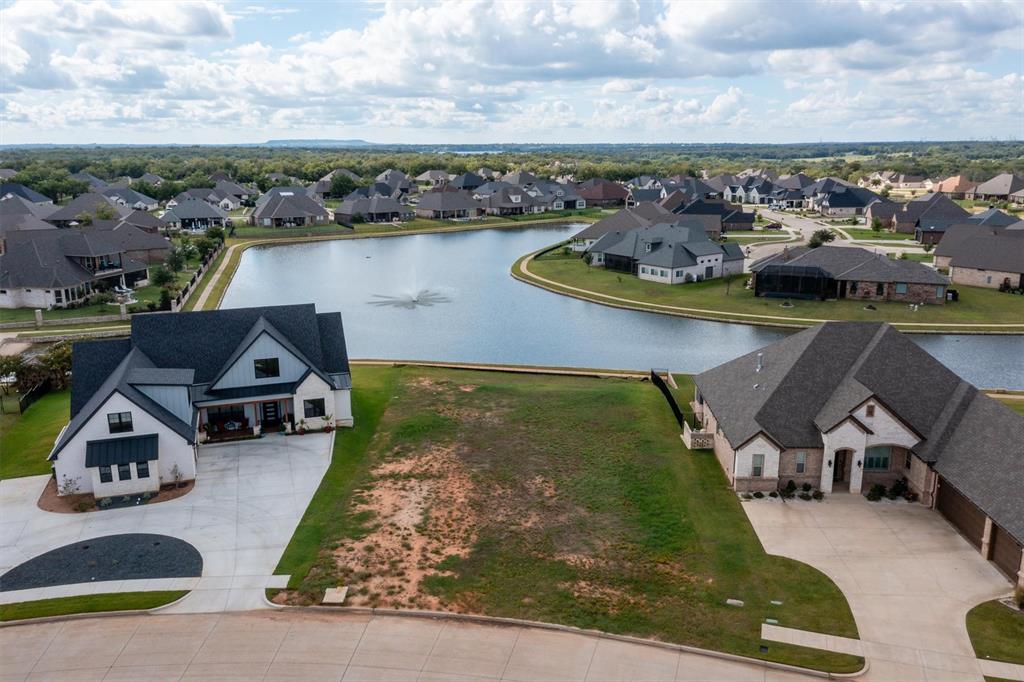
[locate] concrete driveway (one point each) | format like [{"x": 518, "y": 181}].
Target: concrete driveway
[
  {"x": 909, "y": 577},
  {"x": 243, "y": 510},
  {"x": 334, "y": 646}
]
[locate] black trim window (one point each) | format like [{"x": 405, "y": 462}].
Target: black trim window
[
  {"x": 120, "y": 422},
  {"x": 106, "y": 475},
  {"x": 313, "y": 408},
  {"x": 267, "y": 368},
  {"x": 142, "y": 470},
  {"x": 124, "y": 472}
]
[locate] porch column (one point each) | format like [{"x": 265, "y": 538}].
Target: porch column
[
  {"x": 828, "y": 462},
  {"x": 986, "y": 539},
  {"x": 856, "y": 470}
]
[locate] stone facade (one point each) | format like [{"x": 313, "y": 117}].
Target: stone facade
[{"x": 915, "y": 293}]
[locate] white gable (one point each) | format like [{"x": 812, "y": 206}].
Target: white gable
[{"x": 243, "y": 372}]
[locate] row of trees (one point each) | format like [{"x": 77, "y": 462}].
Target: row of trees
[{"x": 48, "y": 170}]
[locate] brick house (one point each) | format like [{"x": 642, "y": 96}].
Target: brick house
[
  {"x": 833, "y": 272},
  {"x": 847, "y": 405},
  {"x": 983, "y": 256}
]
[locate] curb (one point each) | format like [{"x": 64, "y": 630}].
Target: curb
[
  {"x": 554, "y": 627},
  {"x": 96, "y": 614}
]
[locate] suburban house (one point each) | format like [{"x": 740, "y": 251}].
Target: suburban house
[
  {"x": 432, "y": 178},
  {"x": 670, "y": 253},
  {"x": 998, "y": 188},
  {"x": 931, "y": 231},
  {"x": 510, "y": 200},
  {"x": 520, "y": 178},
  {"x": 601, "y": 192},
  {"x": 455, "y": 205},
  {"x": 844, "y": 201},
  {"x": 466, "y": 181},
  {"x": 91, "y": 180},
  {"x": 134, "y": 242},
  {"x": 834, "y": 272},
  {"x": 55, "y": 268},
  {"x": 18, "y": 214},
  {"x": 955, "y": 187},
  {"x": 642, "y": 215},
  {"x": 730, "y": 216},
  {"x": 7, "y": 173},
  {"x": 28, "y": 194},
  {"x": 639, "y": 196},
  {"x": 397, "y": 181},
  {"x": 150, "y": 179},
  {"x": 796, "y": 181},
  {"x": 926, "y": 212},
  {"x": 194, "y": 215},
  {"x": 983, "y": 255},
  {"x": 556, "y": 196},
  {"x": 288, "y": 207},
  {"x": 141, "y": 406},
  {"x": 377, "y": 209},
  {"x": 85, "y": 207},
  {"x": 847, "y": 405},
  {"x": 374, "y": 189},
  {"x": 129, "y": 197}
]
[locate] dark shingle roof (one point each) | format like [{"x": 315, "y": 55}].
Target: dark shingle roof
[
  {"x": 43, "y": 258},
  {"x": 854, "y": 264},
  {"x": 19, "y": 190}
]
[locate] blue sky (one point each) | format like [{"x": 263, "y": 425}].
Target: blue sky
[{"x": 475, "y": 71}]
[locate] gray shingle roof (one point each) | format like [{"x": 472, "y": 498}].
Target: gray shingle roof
[
  {"x": 19, "y": 190},
  {"x": 640, "y": 215},
  {"x": 192, "y": 209},
  {"x": 447, "y": 201},
  {"x": 983, "y": 247},
  {"x": 43, "y": 258},
  {"x": 855, "y": 264},
  {"x": 812, "y": 380},
  {"x": 86, "y": 203},
  {"x": 1003, "y": 184}
]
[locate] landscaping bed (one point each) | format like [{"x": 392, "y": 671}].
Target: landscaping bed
[{"x": 559, "y": 499}]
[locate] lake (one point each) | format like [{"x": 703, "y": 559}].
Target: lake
[{"x": 450, "y": 297}]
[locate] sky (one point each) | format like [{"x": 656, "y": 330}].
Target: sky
[{"x": 476, "y": 71}]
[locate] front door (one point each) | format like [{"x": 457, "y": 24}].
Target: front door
[
  {"x": 839, "y": 470},
  {"x": 269, "y": 415},
  {"x": 709, "y": 271}
]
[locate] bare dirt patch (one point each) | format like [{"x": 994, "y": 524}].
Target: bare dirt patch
[{"x": 421, "y": 513}]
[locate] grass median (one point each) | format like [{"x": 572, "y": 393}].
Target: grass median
[
  {"x": 91, "y": 603},
  {"x": 560, "y": 499}
]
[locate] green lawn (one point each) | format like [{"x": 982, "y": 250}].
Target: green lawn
[
  {"x": 560, "y": 499},
  {"x": 996, "y": 632},
  {"x": 976, "y": 304},
  {"x": 881, "y": 235},
  {"x": 26, "y": 440},
  {"x": 93, "y": 603},
  {"x": 1015, "y": 405},
  {"x": 918, "y": 257}
]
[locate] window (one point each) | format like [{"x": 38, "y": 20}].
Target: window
[
  {"x": 801, "y": 462},
  {"x": 757, "y": 466},
  {"x": 870, "y": 410},
  {"x": 106, "y": 475},
  {"x": 142, "y": 469},
  {"x": 224, "y": 413},
  {"x": 853, "y": 287},
  {"x": 313, "y": 408},
  {"x": 940, "y": 292},
  {"x": 267, "y": 368},
  {"x": 901, "y": 287},
  {"x": 124, "y": 472},
  {"x": 119, "y": 422},
  {"x": 879, "y": 289},
  {"x": 877, "y": 458},
  {"x": 907, "y": 461}
]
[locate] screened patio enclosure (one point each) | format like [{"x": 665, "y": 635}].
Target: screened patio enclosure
[{"x": 794, "y": 281}]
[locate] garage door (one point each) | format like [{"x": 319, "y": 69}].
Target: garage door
[
  {"x": 961, "y": 512},
  {"x": 1005, "y": 552}
]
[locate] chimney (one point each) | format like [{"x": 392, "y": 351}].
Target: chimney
[{"x": 760, "y": 362}]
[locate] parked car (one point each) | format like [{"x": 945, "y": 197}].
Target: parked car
[{"x": 773, "y": 226}]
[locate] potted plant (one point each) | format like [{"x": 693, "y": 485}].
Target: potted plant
[
  {"x": 328, "y": 423},
  {"x": 202, "y": 432},
  {"x": 301, "y": 428}
]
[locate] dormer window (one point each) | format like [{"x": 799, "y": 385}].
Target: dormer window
[
  {"x": 648, "y": 248},
  {"x": 267, "y": 368},
  {"x": 870, "y": 410}
]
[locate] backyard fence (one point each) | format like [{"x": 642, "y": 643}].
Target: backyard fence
[
  {"x": 667, "y": 392},
  {"x": 179, "y": 301},
  {"x": 33, "y": 394}
]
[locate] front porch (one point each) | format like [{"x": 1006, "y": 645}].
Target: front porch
[{"x": 247, "y": 419}]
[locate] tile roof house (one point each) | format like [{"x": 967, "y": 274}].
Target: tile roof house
[
  {"x": 955, "y": 186},
  {"x": 834, "y": 272},
  {"x": 55, "y": 268},
  {"x": 847, "y": 405},
  {"x": 669, "y": 253},
  {"x": 998, "y": 188},
  {"x": 288, "y": 207},
  {"x": 983, "y": 255},
  {"x": 141, "y": 406}
]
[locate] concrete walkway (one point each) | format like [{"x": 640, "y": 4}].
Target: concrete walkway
[
  {"x": 909, "y": 578},
  {"x": 354, "y": 648},
  {"x": 248, "y": 498}
]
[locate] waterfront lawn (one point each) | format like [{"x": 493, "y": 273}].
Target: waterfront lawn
[
  {"x": 996, "y": 632},
  {"x": 1017, "y": 405},
  {"x": 976, "y": 304},
  {"x": 92, "y": 603},
  {"x": 559, "y": 499},
  {"x": 25, "y": 440}
]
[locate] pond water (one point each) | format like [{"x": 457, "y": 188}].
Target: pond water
[{"x": 450, "y": 297}]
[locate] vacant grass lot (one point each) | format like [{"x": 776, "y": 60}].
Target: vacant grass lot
[
  {"x": 26, "y": 440},
  {"x": 996, "y": 632},
  {"x": 93, "y": 603},
  {"x": 976, "y": 305},
  {"x": 560, "y": 499}
]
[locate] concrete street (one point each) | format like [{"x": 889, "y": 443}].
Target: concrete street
[{"x": 275, "y": 645}]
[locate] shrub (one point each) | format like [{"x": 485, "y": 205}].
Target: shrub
[
  {"x": 1018, "y": 597},
  {"x": 876, "y": 492},
  {"x": 747, "y": 496},
  {"x": 759, "y": 494},
  {"x": 791, "y": 486},
  {"x": 818, "y": 495},
  {"x": 773, "y": 494},
  {"x": 806, "y": 487},
  {"x": 899, "y": 488},
  {"x": 165, "y": 299},
  {"x": 805, "y": 496}
]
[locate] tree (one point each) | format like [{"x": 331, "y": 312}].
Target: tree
[
  {"x": 84, "y": 218},
  {"x": 10, "y": 366},
  {"x": 820, "y": 237},
  {"x": 175, "y": 260},
  {"x": 215, "y": 233},
  {"x": 876, "y": 224},
  {"x": 165, "y": 299},
  {"x": 884, "y": 193},
  {"x": 341, "y": 185},
  {"x": 204, "y": 247},
  {"x": 105, "y": 212},
  {"x": 161, "y": 276},
  {"x": 56, "y": 364}
]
